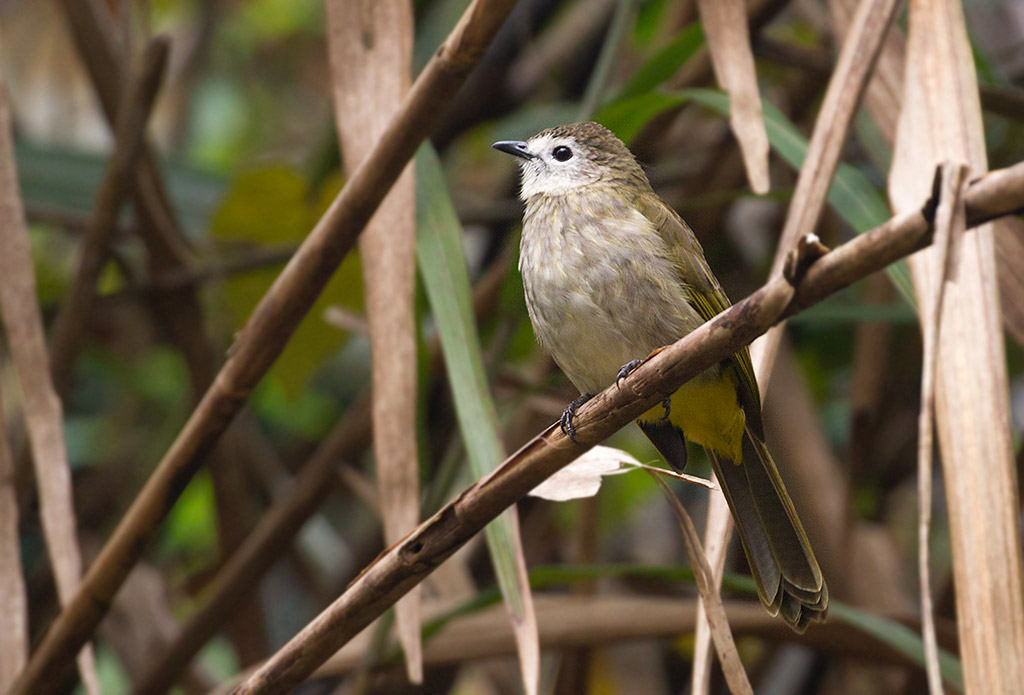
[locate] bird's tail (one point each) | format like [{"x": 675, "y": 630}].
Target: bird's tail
[{"x": 789, "y": 581}]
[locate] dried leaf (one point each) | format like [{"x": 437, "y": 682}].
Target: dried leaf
[
  {"x": 582, "y": 478},
  {"x": 707, "y": 585},
  {"x": 941, "y": 120},
  {"x": 370, "y": 44},
  {"x": 728, "y": 38},
  {"x": 23, "y": 325},
  {"x": 950, "y": 224}
]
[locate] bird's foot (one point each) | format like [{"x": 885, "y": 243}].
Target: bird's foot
[
  {"x": 626, "y": 369},
  {"x": 570, "y": 412},
  {"x": 667, "y": 405}
]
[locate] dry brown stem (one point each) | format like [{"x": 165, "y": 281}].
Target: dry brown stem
[
  {"x": 261, "y": 341},
  {"x": 261, "y": 549},
  {"x": 405, "y": 564},
  {"x": 23, "y": 327},
  {"x": 728, "y": 38},
  {"x": 568, "y": 621},
  {"x": 370, "y": 46},
  {"x": 856, "y": 62},
  {"x": 949, "y": 226},
  {"x": 73, "y": 316},
  {"x": 710, "y": 599}
]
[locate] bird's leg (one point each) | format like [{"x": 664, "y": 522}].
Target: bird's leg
[
  {"x": 626, "y": 369},
  {"x": 570, "y": 412},
  {"x": 667, "y": 405}
]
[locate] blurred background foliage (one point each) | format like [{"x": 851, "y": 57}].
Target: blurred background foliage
[{"x": 248, "y": 147}]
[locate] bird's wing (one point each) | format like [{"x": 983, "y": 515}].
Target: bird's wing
[{"x": 705, "y": 295}]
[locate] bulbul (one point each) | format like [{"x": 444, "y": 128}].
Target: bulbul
[{"x": 611, "y": 273}]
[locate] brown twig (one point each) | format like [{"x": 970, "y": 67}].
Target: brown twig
[
  {"x": 405, "y": 564},
  {"x": 22, "y": 325},
  {"x": 262, "y": 340},
  {"x": 247, "y": 566},
  {"x": 177, "y": 313},
  {"x": 133, "y": 115},
  {"x": 271, "y": 537}
]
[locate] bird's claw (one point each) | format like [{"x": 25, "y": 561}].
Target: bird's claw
[
  {"x": 667, "y": 405},
  {"x": 626, "y": 369},
  {"x": 569, "y": 413}
]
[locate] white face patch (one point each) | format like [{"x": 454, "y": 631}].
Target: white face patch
[{"x": 559, "y": 165}]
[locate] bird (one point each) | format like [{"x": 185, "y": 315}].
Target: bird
[{"x": 611, "y": 274}]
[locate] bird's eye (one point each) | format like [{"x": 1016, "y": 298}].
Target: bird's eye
[{"x": 561, "y": 153}]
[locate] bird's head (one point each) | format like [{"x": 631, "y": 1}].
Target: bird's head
[{"x": 562, "y": 159}]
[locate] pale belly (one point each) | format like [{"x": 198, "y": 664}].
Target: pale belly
[{"x": 597, "y": 304}]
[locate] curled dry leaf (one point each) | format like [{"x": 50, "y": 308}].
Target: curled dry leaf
[{"x": 582, "y": 478}]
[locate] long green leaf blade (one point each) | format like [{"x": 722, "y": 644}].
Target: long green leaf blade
[{"x": 442, "y": 264}]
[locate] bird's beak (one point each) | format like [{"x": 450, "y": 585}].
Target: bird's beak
[{"x": 516, "y": 148}]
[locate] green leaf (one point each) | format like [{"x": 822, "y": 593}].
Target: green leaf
[
  {"x": 626, "y": 117},
  {"x": 665, "y": 62},
  {"x": 851, "y": 194},
  {"x": 442, "y": 265}
]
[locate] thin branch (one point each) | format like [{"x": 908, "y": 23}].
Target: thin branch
[
  {"x": 847, "y": 85},
  {"x": 99, "y": 51},
  {"x": 807, "y": 281},
  {"x": 279, "y": 524},
  {"x": 261, "y": 549},
  {"x": 73, "y": 316},
  {"x": 264, "y": 337},
  {"x": 22, "y": 325}
]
